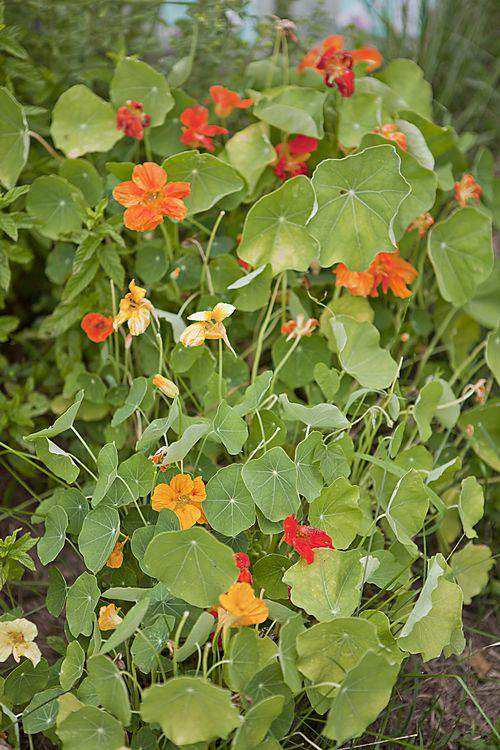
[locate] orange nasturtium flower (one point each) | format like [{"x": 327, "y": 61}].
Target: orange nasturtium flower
[
  {"x": 209, "y": 325},
  {"x": 131, "y": 119},
  {"x": 196, "y": 131},
  {"x": 115, "y": 559},
  {"x": 135, "y": 309},
  {"x": 226, "y": 100},
  {"x": 388, "y": 270},
  {"x": 240, "y": 607},
  {"x": 148, "y": 197},
  {"x": 109, "y": 619},
  {"x": 97, "y": 327},
  {"x": 184, "y": 497},
  {"x": 166, "y": 386},
  {"x": 467, "y": 189},
  {"x": 422, "y": 223},
  {"x": 300, "y": 327},
  {"x": 391, "y": 132},
  {"x": 335, "y": 63}
]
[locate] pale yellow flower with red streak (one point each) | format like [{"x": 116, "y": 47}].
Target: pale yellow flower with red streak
[
  {"x": 208, "y": 325},
  {"x": 300, "y": 327},
  {"x": 135, "y": 310},
  {"x": 17, "y": 639},
  {"x": 109, "y": 619},
  {"x": 240, "y": 606}
]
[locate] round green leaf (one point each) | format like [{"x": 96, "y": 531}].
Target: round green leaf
[
  {"x": 230, "y": 428},
  {"x": 358, "y": 200},
  {"x": 57, "y": 205},
  {"x": 98, "y": 536},
  {"x": 461, "y": 252},
  {"x": 90, "y": 727},
  {"x": 248, "y": 654},
  {"x": 190, "y": 710},
  {"x": 360, "y": 354},
  {"x": 250, "y": 151},
  {"x": 82, "y": 122},
  {"x": 256, "y": 723},
  {"x": 274, "y": 231},
  {"x": 337, "y": 512},
  {"x": 229, "y": 506},
  {"x": 72, "y": 665},
  {"x": 41, "y": 712},
  {"x": 294, "y": 109},
  {"x": 192, "y": 564},
  {"x": 14, "y": 139},
  {"x": 470, "y": 567},
  {"x": 81, "y": 601},
  {"x": 358, "y": 115},
  {"x": 470, "y": 505},
  {"x": 407, "y": 508},
  {"x": 135, "y": 80},
  {"x": 110, "y": 687},
  {"x": 298, "y": 370},
  {"x": 493, "y": 353},
  {"x": 272, "y": 482},
  {"x": 268, "y": 575},
  {"x": 321, "y": 416},
  {"x": 165, "y": 139},
  {"x": 309, "y": 479},
  {"x": 52, "y": 542},
  {"x": 406, "y": 79},
  {"x": 83, "y": 175}
]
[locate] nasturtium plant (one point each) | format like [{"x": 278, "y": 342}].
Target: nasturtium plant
[{"x": 249, "y": 396}]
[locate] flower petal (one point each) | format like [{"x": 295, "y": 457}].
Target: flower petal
[
  {"x": 149, "y": 177},
  {"x": 128, "y": 194}
]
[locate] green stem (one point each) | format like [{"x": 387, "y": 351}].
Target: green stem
[
  {"x": 262, "y": 332},
  {"x": 437, "y": 337},
  {"x": 168, "y": 244},
  {"x": 220, "y": 369},
  {"x": 285, "y": 359}
]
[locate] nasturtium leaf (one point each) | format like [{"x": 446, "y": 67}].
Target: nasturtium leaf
[
  {"x": 40, "y": 713},
  {"x": 358, "y": 199},
  {"x": 461, "y": 252},
  {"x": 56, "y": 204},
  {"x": 132, "y": 402},
  {"x": 137, "y": 475},
  {"x": 72, "y": 665},
  {"x": 155, "y": 430},
  {"x": 203, "y": 712},
  {"x": 254, "y": 394},
  {"x": 470, "y": 505},
  {"x": 230, "y": 428},
  {"x": 110, "y": 687},
  {"x": 257, "y": 721},
  {"x": 470, "y": 567},
  {"x": 294, "y": 109},
  {"x": 62, "y": 423},
  {"x": 447, "y": 411},
  {"x": 337, "y": 512},
  {"x": 128, "y": 626},
  {"x": 407, "y": 507},
  {"x": 268, "y": 574},
  {"x": 484, "y": 307},
  {"x": 272, "y": 482},
  {"x": 90, "y": 727},
  {"x": 358, "y": 115},
  {"x": 321, "y": 416},
  {"x": 98, "y": 536},
  {"x": 254, "y": 294},
  {"x": 193, "y": 565},
  {"x": 52, "y": 542},
  {"x": 82, "y": 122},
  {"x": 229, "y": 506},
  {"x": 148, "y": 644},
  {"x": 329, "y": 587},
  {"x": 14, "y": 139},
  {"x": 309, "y": 479},
  {"x": 328, "y": 650},
  {"x": 81, "y": 600},
  {"x": 492, "y": 353},
  {"x": 107, "y": 466},
  {"x": 365, "y": 691},
  {"x": 485, "y": 440},
  {"x": 425, "y": 408},
  {"x": 264, "y": 684},
  {"x": 197, "y": 636},
  {"x": 135, "y": 80},
  {"x": 23, "y": 682},
  {"x": 250, "y": 151},
  {"x": 56, "y": 592},
  {"x": 416, "y": 144},
  {"x": 165, "y": 139},
  {"x": 287, "y": 651},
  {"x": 328, "y": 380},
  {"x": 83, "y": 175},
  {"x": 407, "y": 80},
  {"x": 334, "y": 461},
  {"x": 248, "y": 654},
  {"x": 435, "y": 622},
  {"x": 180, "y": 448},
  {"x": 298, "y": 370},
  {"x": 360, "y": 353},
  {"x": 210, "y": 178},
  {"x": 275, "y": 229},
  {"x": 56, "y": 459},
  {"x": 440, "y": 140}
]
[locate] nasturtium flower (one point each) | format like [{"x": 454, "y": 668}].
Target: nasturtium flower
[
  {"x": 131, "y": 120},
  {"x": 148, "y": 197},
  {"x": 97, "y": 327},
  {"x": 184, "y": 497},
  {"x": 335, "y": 63},
  {"x": 196, "y": 131},
  {"x": 467, "y": 189},
  {"x": 388, "y": 270},
  {"x": 135, "y": 310},
  {"x": 157, "y": 459},
  {"x": 115, "y": 559},
  {"x": 109, "y": 619},
  {"x": 300, "y": 327},
  {"x": 243, "y": 563},
  {"x": 240, "y": 606},
  {"x": 166, "y": 386},
  {"x": 293, "y": 155},
  {"x": 422, "y": 223},
  {"x": 17, "y": 639},
  {"x": 305, "y": 539},
  {"x": 391, "y": 133},
  {"x": 208, "y": 325},
  {"x": 226, "y": 100}
]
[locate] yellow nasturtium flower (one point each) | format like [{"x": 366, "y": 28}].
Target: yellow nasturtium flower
[
  {"x": 166, "y": 386},
  {"x": 109, "y": 619},
  {"x": 17, "y": 639},
  {"x": 208, "y": 325},
  {"x": 135, "y": 310},
  {"x": 240, "y": 606}
]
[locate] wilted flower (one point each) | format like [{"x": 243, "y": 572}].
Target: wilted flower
[
  {"x": 226, "y": 100},
  {"x": 391, "y": 133},
  {"x": 131, "y": 119},
  {"x": 17, "y": 639},
  {"x": 240, "y": 607},
  {"x": 305, "y": 539},
  {"x": 479, "y": 389},
  {"x": 109, "y": 619},
  {"x": 467, "y": 189},
  {"x": 166, "y": 386},
  {"x": 243, "y": 563},
  {"x": 388, "y": 270},
  {"x": 300, "y": 327},
  {"x": 209, "y": 325},
  {"x": 286, "y": 27},
  {"x": 184, "y": 497},
  {"x": 293, "y": 155},
  {"x": 115, "y": 559},
  {"x": 148, "y": 197},
  {"x": 422, "y": 223},
  {"x": 135, "y": 309},
  {"x": 196, "y": 131},
  {"x": 157, "y": 458},
  {"x": 335, "y": 63},
  {"x": 97, "y": 326}
]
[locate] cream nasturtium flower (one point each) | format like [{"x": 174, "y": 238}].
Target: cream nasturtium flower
[
  {"x": 208, "y": 325},
  {"x": 135, "y": 309},
  {"x": 17, "y": 638},
  {"x": 166, "y": 386}
]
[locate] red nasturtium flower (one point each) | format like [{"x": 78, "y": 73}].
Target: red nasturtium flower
[
  {"x": 131, "y": 119},
  {"x": 388, "y": 270},
  {"x": 391, "y": 132},
  {"x": 148, "y": 197},
  {"x": 305, "y": 539},
  {"x": 292, "y": 156},
  {"x": 422, "y": 223},
  {"x": 300, "y": 327},
  {"x": 196, "y": 131},
  {"x": 243, "y": 563},
  {"x": 335, "y": 63},
  {"x": 226, "y": 100},
  {"x": 97, "y": 327},
  {"x": 467, "y": 189}
]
